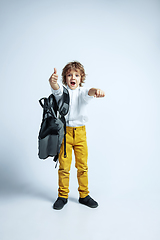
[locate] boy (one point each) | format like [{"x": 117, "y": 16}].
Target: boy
[{"x": 73, "y": 75}]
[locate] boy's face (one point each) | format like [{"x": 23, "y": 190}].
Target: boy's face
[{"x": 73, "y": 78}]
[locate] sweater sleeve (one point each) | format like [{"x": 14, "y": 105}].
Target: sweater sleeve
[
  {"x": 85, "y": 95},
  {"x": 58, "y": 93}
]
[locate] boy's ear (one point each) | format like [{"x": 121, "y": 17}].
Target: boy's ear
[{"x": 80, "y": 84}]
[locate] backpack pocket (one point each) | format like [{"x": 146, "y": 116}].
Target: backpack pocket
[{"x": 48, "y": 146}]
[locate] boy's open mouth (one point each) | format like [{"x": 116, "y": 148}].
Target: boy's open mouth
[{"x": 73, "y": 83}]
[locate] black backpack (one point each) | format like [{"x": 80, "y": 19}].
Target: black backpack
[{"x": 53, "y": 126}]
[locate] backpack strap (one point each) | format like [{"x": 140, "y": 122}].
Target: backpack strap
[
  {"x": 64, "y": 122},
  {"x": 64, "y": 103},
  {"x": 63, "y": 108},
  {"x": 40, "y": 101},
  {"x": 49, "y": 105}
]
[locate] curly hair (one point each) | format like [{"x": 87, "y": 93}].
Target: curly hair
[{"x": 75, "y": 66}]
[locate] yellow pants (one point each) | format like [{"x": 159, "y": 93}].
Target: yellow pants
[{"x": 76, "y": 140}]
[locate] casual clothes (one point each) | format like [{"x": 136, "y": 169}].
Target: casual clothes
[
  {"x": 76, "y": 140},
  {"x": 79, "y": 98}
]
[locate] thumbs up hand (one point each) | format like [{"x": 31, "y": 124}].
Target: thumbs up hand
[
  {"x": 54, "y": 77},
  {"x": 53, "y": 80}
]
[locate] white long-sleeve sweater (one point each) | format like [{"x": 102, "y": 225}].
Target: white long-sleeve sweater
[{"x": 79, "y": 99}]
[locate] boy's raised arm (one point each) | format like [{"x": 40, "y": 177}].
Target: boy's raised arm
[
  {"x": 53, "y": 80},
  {"x": 96, "y": 92}
]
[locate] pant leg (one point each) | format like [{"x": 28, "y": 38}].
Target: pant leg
[
  {"x": 65, "y": 164},
  {"x": 81, "y": 158}
]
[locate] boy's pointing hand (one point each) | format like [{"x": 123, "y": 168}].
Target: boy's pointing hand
[{"x": 96, "y": 92}]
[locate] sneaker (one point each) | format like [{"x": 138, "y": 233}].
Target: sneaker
[
  {"x": 59, "y": 203},
  {"x": 88, "y": 201}
]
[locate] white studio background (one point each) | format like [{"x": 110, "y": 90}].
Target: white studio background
[{"x": 118, "y": 42}]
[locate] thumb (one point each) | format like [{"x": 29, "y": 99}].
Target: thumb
[{"x": 55, "y": 71}]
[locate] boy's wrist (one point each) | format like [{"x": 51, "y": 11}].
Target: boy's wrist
[
  {"x": 58, "y": 91},
  {"x": 92, "y": 92},
  {"x": 55, "y": 86}
]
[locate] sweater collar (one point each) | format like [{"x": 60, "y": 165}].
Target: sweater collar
[{"x": 72, "y": 89}]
